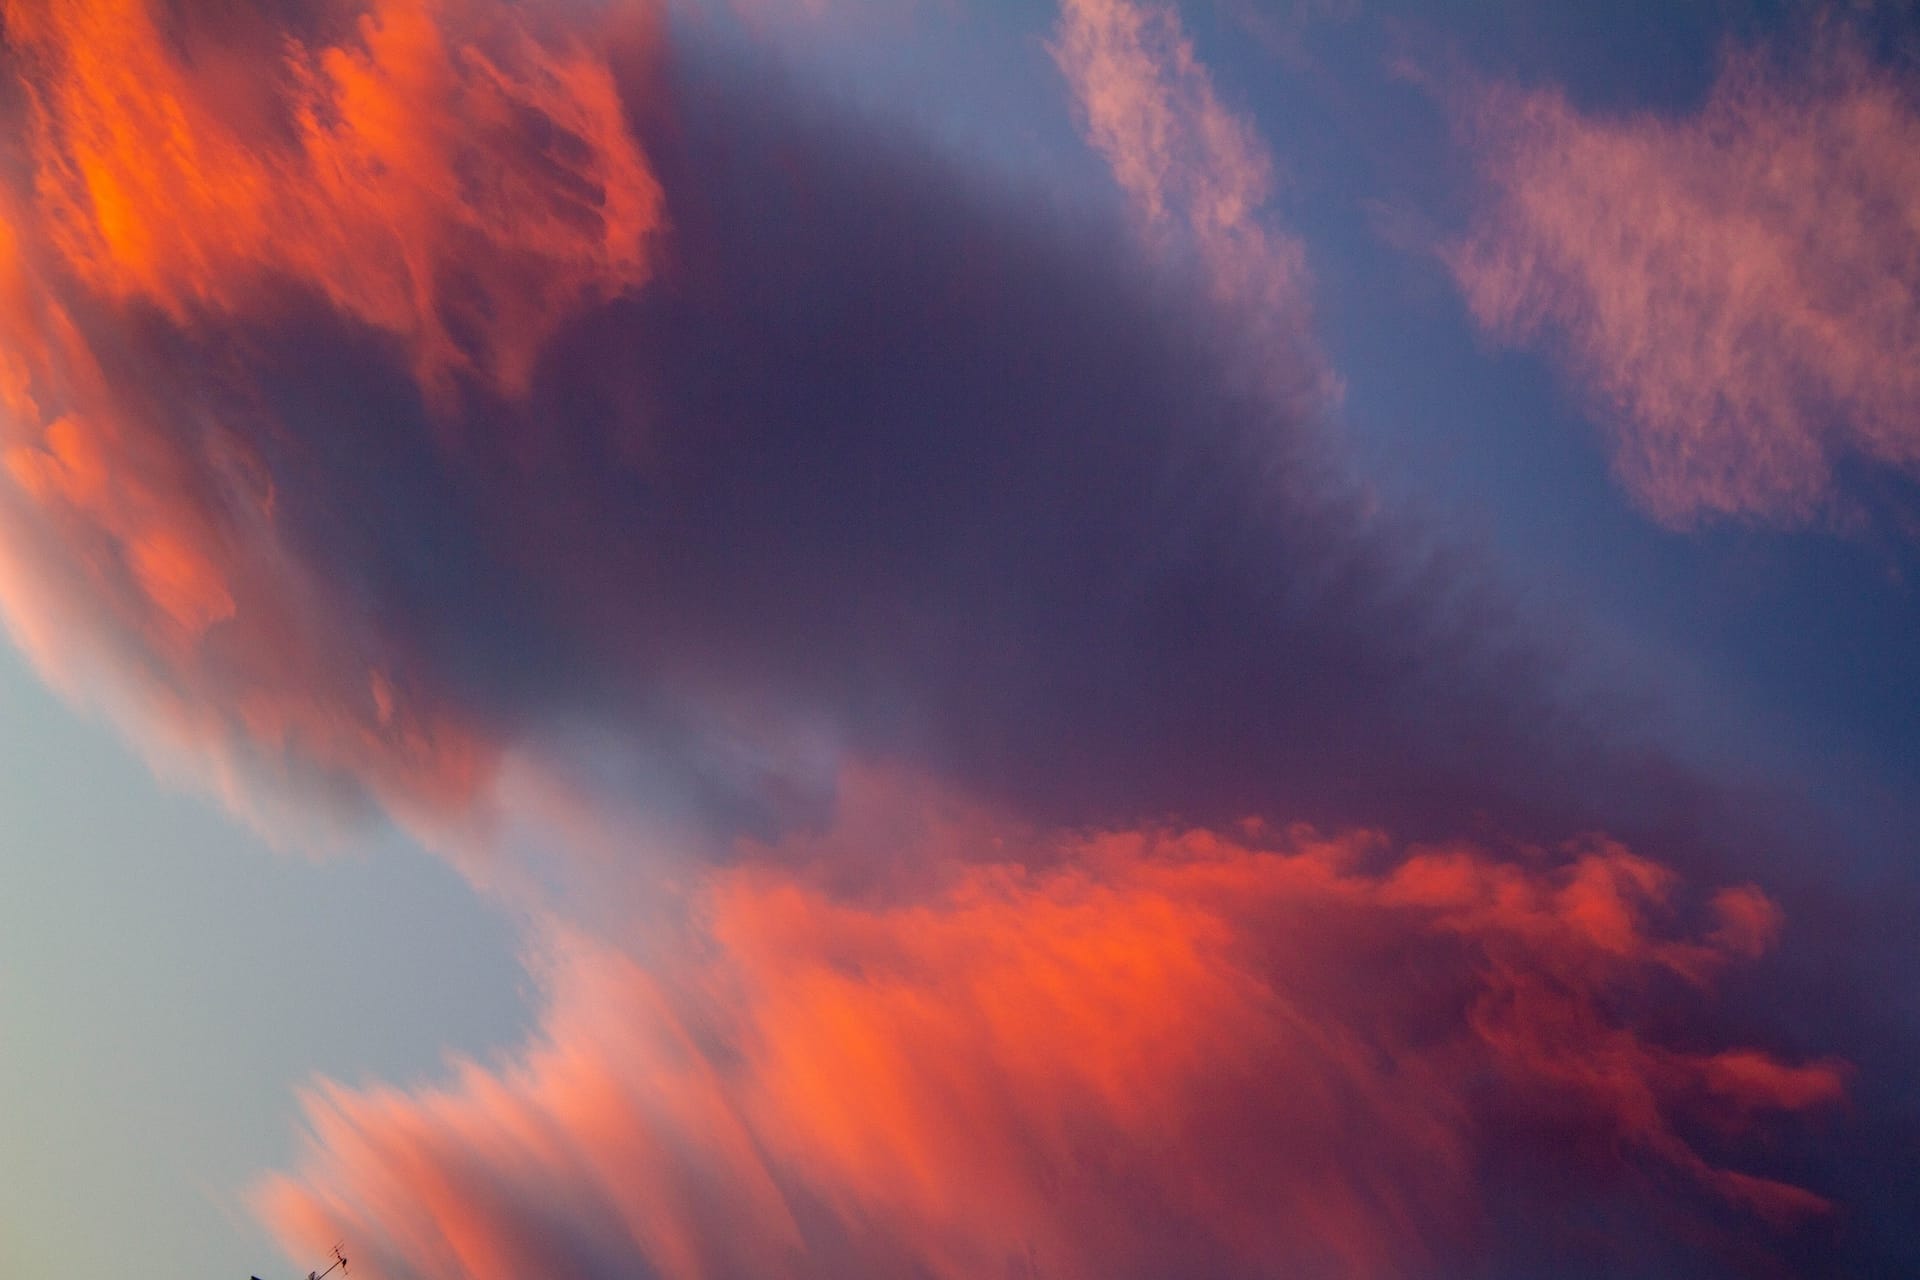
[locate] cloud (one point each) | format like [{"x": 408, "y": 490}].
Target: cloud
[
  {"x": 438, "y": 170},
  {"x": 1737, "y": 289},
  {"x": 1167, "y": 1053},
  {"x": 567, "y": 437},
  {"x": 852, "y": 458},
  {"x": 441, "y": 174},
  {"x": 1194, "y": 170}
]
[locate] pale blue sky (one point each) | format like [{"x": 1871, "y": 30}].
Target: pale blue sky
[{"x": 167, "y": 981}]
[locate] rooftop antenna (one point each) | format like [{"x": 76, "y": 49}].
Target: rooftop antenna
[{"x": 339, "y": 1264}]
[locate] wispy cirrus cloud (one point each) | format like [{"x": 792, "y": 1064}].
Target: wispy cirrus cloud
[
  {"x": 1197, "y": 173},
  {"x": 1737, "y": 289}
]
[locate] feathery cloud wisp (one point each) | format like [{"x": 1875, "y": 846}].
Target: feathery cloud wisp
[{"x": 1738, "y": 290}]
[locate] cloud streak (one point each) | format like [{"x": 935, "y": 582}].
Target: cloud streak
[
  {"x": 1195, "y": 172},
  {"x": 1736, "y": 289}
]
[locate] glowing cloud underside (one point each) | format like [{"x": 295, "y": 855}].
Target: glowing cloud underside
[{"x": 1166, "y": 1054}]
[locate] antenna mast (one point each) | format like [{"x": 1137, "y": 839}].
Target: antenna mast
[{"x": 339, "y": 1264}]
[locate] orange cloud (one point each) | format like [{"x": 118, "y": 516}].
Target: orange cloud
[
  {"x": 439, "y": 172},
  {"x": 1164, "y": 1053},
  {"x": 1737, "y": 288},
  {"x": 445, "y": 173}
]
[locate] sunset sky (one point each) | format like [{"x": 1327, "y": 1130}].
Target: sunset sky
[{"x": 910, "y": 638}]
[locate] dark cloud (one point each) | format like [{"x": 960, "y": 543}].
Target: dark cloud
[{"x": 885, "y": 464}]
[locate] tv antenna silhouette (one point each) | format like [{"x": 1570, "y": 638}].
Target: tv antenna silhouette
[{"x": 339, "y": 1264}]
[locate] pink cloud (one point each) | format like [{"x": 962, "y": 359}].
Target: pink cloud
[
  {"x": 1236, "y": 1054},
  {"x": 1194, "y": 170},
  {"x": 1738, "y": 289}
]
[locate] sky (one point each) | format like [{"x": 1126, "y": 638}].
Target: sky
[{"x": 1113, "y": 638}]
